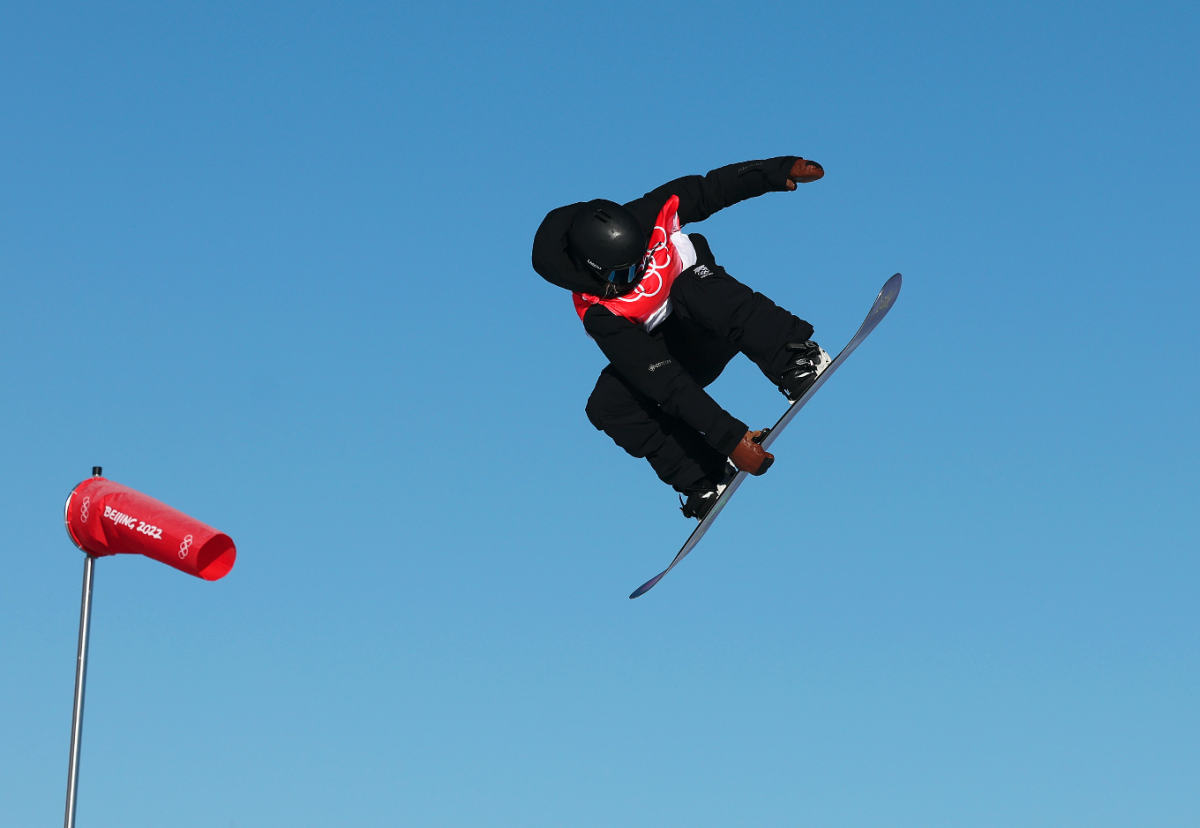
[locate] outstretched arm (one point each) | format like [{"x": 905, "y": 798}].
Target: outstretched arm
[{"x": 701, "y": 196}]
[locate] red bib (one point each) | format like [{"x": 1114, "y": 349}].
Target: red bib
[{"x": 670, "y": 251}]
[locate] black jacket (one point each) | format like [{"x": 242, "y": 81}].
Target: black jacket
[{"x": 628, "y": 346}]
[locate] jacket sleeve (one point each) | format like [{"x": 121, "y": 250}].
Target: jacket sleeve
[
  {"x": 702, "y": 195},
  {"x": 644, "y": 362}
]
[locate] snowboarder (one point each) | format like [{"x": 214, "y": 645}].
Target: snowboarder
[{"x": 669, "y": 319}]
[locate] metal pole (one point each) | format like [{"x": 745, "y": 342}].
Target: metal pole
[
  {"x": 85, "y": 630},
  {"x": 85, "y": 625}
]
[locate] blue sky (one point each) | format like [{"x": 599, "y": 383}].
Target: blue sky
[{"x": 270, "y": 264}]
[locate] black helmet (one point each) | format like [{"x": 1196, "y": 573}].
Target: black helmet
[{"x": 608, "y": 239}]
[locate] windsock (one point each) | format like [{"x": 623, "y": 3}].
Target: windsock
[{"x": 106, "y": 518}]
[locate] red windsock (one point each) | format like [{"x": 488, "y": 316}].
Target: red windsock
[{"x": 106, "y": 518}]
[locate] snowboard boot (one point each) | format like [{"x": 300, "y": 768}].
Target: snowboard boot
[
  {"x": 703, "y": 495},
  {"x": 807, "y": 362}
]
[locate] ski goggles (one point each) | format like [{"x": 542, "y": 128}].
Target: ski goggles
[{"x": 623, "y": 275}]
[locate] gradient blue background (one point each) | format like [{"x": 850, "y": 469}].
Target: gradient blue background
[{"x": 270, "y": 264}]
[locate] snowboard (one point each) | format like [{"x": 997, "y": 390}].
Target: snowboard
[{"x": 883, "y": 303}]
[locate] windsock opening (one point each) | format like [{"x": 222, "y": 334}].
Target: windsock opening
[{"x": 216, "y": 558}]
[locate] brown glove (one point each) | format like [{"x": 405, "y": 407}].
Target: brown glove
[
  {"x": 804, "y": 172},
  {"x": 750, "y": 457}
]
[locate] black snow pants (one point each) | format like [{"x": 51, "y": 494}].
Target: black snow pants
[{"x": 714, "y": 318}]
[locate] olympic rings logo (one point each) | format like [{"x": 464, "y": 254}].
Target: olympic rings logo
[
  {"x": 184, "y": 547},
  {"x": 657, "y": 259},
  {"x": 83, "y": 509}
]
